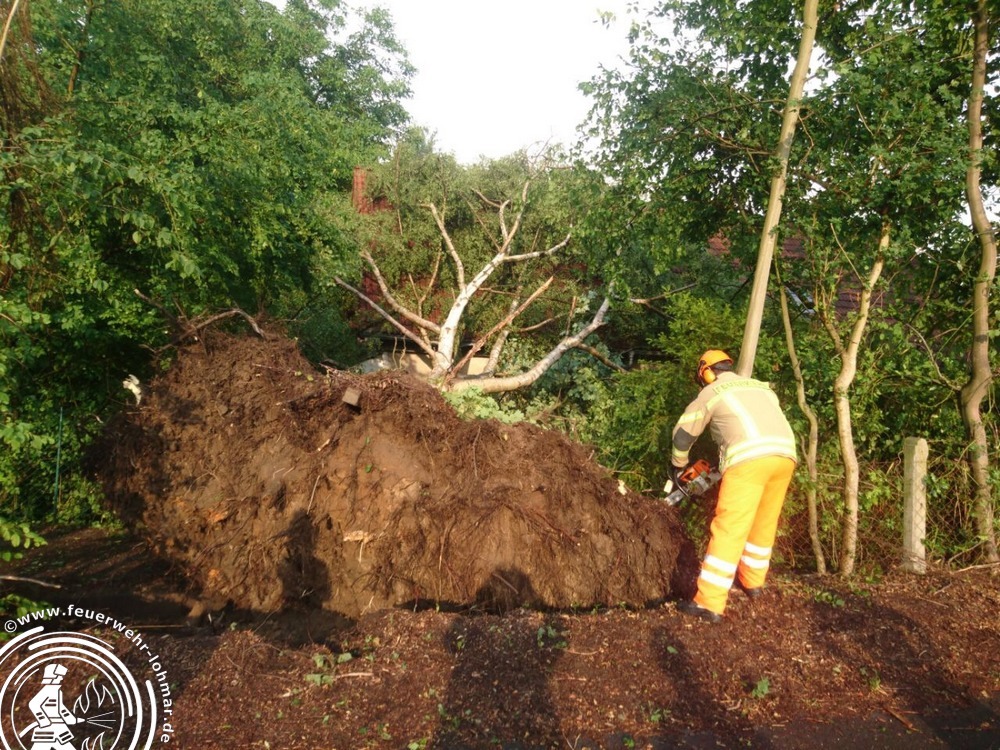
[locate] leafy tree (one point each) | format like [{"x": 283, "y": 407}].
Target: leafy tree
[
  {"x": 192, "y": 153},
  {"x": 874, "y": 183}
]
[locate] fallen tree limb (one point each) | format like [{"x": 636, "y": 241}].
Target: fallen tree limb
[
  {"x": 600, "y": 357},
  {"x": 499, "y": 326},
  {"x": 35, "y": 581},
  {"x": 513, "y": 382},
  {"x": 378, "y": 308}
]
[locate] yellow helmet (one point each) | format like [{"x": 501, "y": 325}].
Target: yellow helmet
[{"x": 705, "y": 374}]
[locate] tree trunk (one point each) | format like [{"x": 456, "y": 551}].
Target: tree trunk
[
  {"x": 813, "y": 440},
  {"x": 6, "y": 26},
  {"x": 74, "y": 74},
  {"x": 755, "y": 312},
  {"x": 842, "y": 407},
  {"x": 980, "y": 378}
]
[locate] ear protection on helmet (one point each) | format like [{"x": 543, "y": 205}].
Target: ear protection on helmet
[{"x": 705, "y": 375}]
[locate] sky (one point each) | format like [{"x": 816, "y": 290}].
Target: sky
[{"x": 493, "y": 78}]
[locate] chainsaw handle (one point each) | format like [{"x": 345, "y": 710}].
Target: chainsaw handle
[{"x": 693, "y": 471}]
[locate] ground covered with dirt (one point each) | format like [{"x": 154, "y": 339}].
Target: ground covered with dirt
[
  {"x": 908, "y": 662},
  {"x": 325, "y": 560}
]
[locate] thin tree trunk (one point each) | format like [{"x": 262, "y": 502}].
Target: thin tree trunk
[
  {"x": 813, "y": 440},
  {"x": 6, "y": 26},
  {"x": 755, "y": 312},
  {"x": 980, "y": 378},
  {"x": 74, "y": 74},
  {"x": 842, "y": 407}
]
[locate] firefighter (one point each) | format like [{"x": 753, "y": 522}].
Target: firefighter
[
  {"x": 50, "y": 730},
  {"x": 757, "y": 459}
]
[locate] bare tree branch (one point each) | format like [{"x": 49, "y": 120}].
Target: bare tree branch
[
  {"x": 648, "y": 301},
  {"x": 35, "y": 581},
  {"x": 943, "y": 379},
  {"x": 422, "y": 296},
  {"x": 600, "y": 357},
  {"x": 6, "y": 26},
  {"x": 197, "y": 324},
  {"x": 496, "y": 350},
  {"x": 509, "y": 236},
  {"x": 513, "y": 382},
  {"x": 459, "y": 266},
  {"x": 536, "y": 326},
  {"x": 498, "y": 205},
  {"x": 393, "y": 303},
  {"x": 539, "y": 253},
  {"x": 449, "y": 329},
  {"x": 500, "y": 208},
  {"x": 191, "y": 326},
  {"x": 569, "y": 316},
  {"x": 499, "y": 326},
  {"x": 377, "y": 308}
]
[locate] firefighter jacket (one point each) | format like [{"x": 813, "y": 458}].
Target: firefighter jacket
[{"x": 745, "y": 418}]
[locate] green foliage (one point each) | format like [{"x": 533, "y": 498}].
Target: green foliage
[
  {"x": 197, "y": 154},
  {"x": 15, "y": 538},
  {"x": 81, "y": 502},
  {"x": 633, "y": 419},
  {"x": 687, "y": 132},
  {"x": 325, "y": 335},
  {"x": 830, "y": 598},
  {"x": 325, "y": 664},
  {"x": 632, "y": 427},
  {"x": 549, "y": 637},
  {"x": 656, "y": 714},
  {"x": 472, "y": 403},
  {"x": 12, "y": 605},
  {"x": 761, "y": 689},
  {"x": 567, "y": 396}
]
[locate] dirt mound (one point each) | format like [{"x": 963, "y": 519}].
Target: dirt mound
[{"x": 254, "y": 473}]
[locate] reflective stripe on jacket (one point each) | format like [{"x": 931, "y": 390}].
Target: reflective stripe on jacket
[{"x": 745, "y": 418}]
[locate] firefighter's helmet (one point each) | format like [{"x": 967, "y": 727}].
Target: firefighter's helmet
[
  {"x": 705, "y": 375},
  {"x": 53, "y": 674}
]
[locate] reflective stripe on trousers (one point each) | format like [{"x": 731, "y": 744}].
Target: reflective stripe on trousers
[{"x": 743, "y": 528}]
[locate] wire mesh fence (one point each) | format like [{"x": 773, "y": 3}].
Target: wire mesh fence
[{"x": 951, "y": 539}]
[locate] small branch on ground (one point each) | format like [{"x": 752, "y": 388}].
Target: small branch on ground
[{"x": 35, "y": 581}]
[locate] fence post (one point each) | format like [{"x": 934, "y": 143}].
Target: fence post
[{"x": 914, "y": 505}]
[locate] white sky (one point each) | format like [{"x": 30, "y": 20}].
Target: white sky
[{"x": 493, "y": 78}]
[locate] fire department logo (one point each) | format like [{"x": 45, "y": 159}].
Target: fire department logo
[{"x": 71, "y": 691}]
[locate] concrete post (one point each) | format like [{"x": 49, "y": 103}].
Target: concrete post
[{"x": 914, "y": 505}]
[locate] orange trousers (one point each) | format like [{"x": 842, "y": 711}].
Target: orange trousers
[{"x": 743, "y": 528}]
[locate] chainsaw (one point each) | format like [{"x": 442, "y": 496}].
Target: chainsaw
[{"x": 695, "y": 481}]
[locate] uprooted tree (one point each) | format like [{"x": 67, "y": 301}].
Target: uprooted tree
[{"x": 495, "y": 240}]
